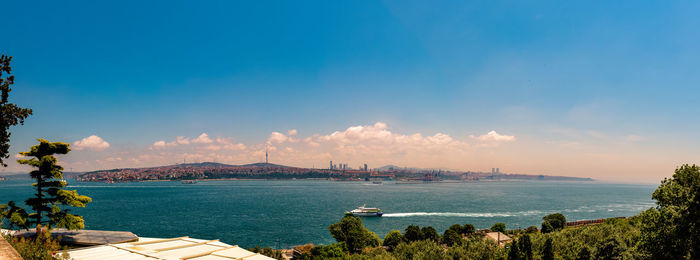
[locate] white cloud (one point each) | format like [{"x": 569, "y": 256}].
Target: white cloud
[
  {"x": 292, "y": 132},
  {"x": 202, "y": 139},
  {"x": 92, "y": 142},
  {"x": 494, "y": 136}
]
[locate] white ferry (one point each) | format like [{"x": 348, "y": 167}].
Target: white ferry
[{"x": 365, "y": 212}]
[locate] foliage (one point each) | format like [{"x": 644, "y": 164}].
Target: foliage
[
  {"x": 525, "y": 246},
  {"x": 413, "y": 233},
  {"x": 499, "y": 227},
  {"x": 468, "y": 229},
  {"x": 514, "y": 251},
  {"x": 336, "y": 250},
  {"x": 672, "y": 230},
  {"x": 11, "y": 114},
  {"x": 451, "y": 238},
  {"x": 423, "y": 249},
  {"x": 584, "y": 254},
  {"x": 430, "y": 233},
  {"x": 16, "y": 216},
  {"x": 392, "y": 239},
  {"x": 610, "y": 249},
  {"x": 531, "y": 229},
  {"x": 547, "y": 227},
  {"x": 548, "y": 250},
  {"x": 49, "y": 193},
  {"x": 457, "y": 228},
  {"x": 556, "y": 220},
  {"x": 41, "y": 247},
  {"x": 475, "y": 247},
  {"x": 351, "y": 231}
]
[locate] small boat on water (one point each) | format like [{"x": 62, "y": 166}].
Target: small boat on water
[
  {"x": 365, "y": 212},
  {"x": 189, "y": 181},
  {"x": 376, "y": 182}
]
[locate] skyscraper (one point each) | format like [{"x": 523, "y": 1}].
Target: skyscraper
[
  {"x": 365, "y": 167},
  {"x": 331, "y": 167}
]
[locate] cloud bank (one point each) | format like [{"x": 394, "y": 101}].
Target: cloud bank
[{"x": 92, "y": 142}]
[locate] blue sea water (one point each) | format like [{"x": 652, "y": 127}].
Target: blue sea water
[{"x": 295, "y": 212}]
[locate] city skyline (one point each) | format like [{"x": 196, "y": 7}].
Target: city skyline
[{"x": 590, "y": 90}]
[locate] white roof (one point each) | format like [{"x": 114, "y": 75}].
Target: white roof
[{"x": 172, "y": 248}]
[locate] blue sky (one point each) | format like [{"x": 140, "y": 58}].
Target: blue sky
[{"x": 595, "y": 88}]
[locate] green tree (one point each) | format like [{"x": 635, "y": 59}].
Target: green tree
[
  {"x": 514, "y": 252},
  {"x": 49, "y": 185},
  {"x": 672, "y": 229},
  {"x": 499, "y": 227},
  {"x": 525, "y": 245},
  {"x": 548, "y": 250},
  {"x": 468, "y": 229},
  {"x": 610, "y": 249},
  {"x": 530, "y": 230},
  {"x": 392, "y": 239},
  {"x": 451, "y": 238},
  {"x": 11, "y": 114},
  {"x": 557, "y": 220},
  {"x": 457, "y": 228},
  {"x": 413, "y": 233},
  {"x": 547, "y": 227},
  {"x": 351, "y": 231},
  {"x": 430, "y": 233},
  {"x": 584, "y": 254},
  {"x": 16, "y": 216},
  {"x": 330, "y": 251}
]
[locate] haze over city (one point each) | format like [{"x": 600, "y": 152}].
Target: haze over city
[{"x": 566, "y": 89}]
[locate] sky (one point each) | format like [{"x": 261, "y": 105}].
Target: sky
[{"x": 601, "y": 89}]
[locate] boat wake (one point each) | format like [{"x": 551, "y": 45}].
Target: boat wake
[{"x": 459, "y": 214}]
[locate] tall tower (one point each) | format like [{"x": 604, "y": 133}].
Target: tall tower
[
  {"x": 266, "y": 155},
  {"x": 331, "y": 168}
]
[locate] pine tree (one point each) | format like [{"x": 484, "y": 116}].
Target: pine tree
[
  {"x": 11, "y": 114},
  {"x": 525, "y": 246},
  {"x": 514, "y": 253},
  {"x": 49, "y": 192},
  {"x": 548, "y": 250}
]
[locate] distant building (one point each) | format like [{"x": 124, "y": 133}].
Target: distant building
[
  {"x": 365, "y": 167},
  {"x": 331, "y": 167}
]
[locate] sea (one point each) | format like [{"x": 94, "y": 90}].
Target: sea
[{"x": 286, "y": 213}]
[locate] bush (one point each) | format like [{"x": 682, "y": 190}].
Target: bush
[
  {"x": 530, "y": 230},
  {"x": 451, "y": 238},
  {"x": 413, "y": 233},
  {"x": 336, "y": 250},
  {"x": 41, "y": 247},
  {"x": 556, "y": 220},
  {"x": 351, "y": 231},
  {"x": 430, "y": 233},
  {"x": 499, "y": 227},
  {"x": 468, "y": 229},
  {"x": 392, "y": 239},
  {"x": 424, "y": 249}
]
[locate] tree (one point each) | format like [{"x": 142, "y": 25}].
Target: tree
[
  {"x": 392, "y": 239},
  {"x": 525, "y": 246},
  {"x": 557, "y": 220},
  {"x": 50, "y": 194},
  {"x": 584, "y": 254},
  {"x": 451, "y": 238},
  {"x": 514, "y": 252},
  {"x": 468, "y": 229},
  {"x": 547, "y": 227},
  {"x": 457, "y": 228},
  {"x": 330, "y": 251},
  {"x": 672, "y": 229},
  {"x": 430, "y": 233},
  {"x": 530, "y": 230},
  {"x": 499, "y": 227},
  {"x": 351, "y": 231},
  {"x": 413, "y": 233},
  {"x": 610, "y": 249},
  {"x": 548, "y": 250},
  {"x": 16, "y": 216},
  {"x": 11, "y": 114}
]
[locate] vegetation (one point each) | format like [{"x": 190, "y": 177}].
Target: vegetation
[
  {"x": 49, "y": 194},
  {"x": 499, "y": 227},
  {"x": 553, "y": 222},
  {"x": 276, "y": 254},
  {"x": 11, "y": 114},
  {"x": 41, "y": 247},
  {"x": 668, "y": 231},
  {"x": 353, "y": 234}
]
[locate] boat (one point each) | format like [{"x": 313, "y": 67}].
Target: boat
[
  {"x": 376, "y": 182},
  {"x": 189, "y": 181},
  {"x": 365, "y": 212}
]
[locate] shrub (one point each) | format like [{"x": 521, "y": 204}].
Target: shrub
[
  {"x": 499, "y": 227},
  {"x": 41, "y": 247}
]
